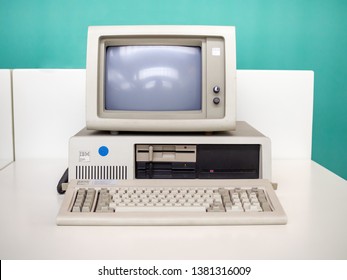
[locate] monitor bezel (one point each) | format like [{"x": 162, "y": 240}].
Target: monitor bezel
[{"x": 110, "y": 41}]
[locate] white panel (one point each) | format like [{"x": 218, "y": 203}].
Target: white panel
[
  {"x": 6, "y": 133},
  {"x": 280, "y": 105},
  {"x": 49, "y": 107}
]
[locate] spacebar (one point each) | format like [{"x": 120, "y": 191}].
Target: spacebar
[{"x": 161, "y": 209}]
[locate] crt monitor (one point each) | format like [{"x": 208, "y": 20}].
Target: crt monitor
[{"x": 161, "y": 78}]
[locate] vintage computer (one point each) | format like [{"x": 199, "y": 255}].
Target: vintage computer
[{"x": 162, "y": 145}]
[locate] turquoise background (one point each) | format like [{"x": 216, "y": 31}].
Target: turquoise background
[{"x": 271, "y": 34}]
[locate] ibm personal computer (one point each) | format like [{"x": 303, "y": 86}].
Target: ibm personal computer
[{"x": 162, "y": 145}]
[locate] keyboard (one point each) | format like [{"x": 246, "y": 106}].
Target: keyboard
[{"x": 170, "y": 202}]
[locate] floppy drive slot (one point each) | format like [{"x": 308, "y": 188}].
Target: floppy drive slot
[
  {"x": 165, "y": 161},
  {"x": 166, "y": 153}
]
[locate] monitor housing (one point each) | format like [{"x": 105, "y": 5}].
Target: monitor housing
[{"x": 161, "y": 78}]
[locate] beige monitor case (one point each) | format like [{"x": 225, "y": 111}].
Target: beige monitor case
[{"x": 218, "y": 78}]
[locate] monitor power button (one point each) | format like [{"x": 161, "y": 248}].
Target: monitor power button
[{"x": 216, "y": 100}]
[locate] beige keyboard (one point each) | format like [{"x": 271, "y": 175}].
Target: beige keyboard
[{"x": 171, "y": 202}]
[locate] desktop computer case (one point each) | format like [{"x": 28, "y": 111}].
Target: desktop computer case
[{"x": 241, "y": 154}]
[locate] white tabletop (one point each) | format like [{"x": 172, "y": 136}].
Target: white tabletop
[{"x": 314, "y": 200}]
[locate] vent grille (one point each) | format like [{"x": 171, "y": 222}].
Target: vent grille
[{"x": 97, "y": 172}]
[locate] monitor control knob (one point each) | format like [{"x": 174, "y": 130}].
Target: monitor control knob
[
  {"x": 216, "y": 89},
  {"x": 216, "y": 100}
]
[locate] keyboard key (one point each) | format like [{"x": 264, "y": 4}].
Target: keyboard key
[
  {"x": 234, "y": 208},
  {"x": 86, "y": 208},
  {"x": 216, "y": 207},
  {"x": 76, "y": 208},
  {"x": 162, "y": 209},
  {"x": 265, "y": 206}
]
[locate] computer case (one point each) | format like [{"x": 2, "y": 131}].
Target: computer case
[{"x": 241, "y": 154}]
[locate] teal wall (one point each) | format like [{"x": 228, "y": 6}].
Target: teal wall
[{"x": 271, "y": 34}]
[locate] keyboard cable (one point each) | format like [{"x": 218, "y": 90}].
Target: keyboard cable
[{"x": 61, "y": 187}]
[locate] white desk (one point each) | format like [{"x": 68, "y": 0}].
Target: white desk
[{"x": 313, "y": 198}]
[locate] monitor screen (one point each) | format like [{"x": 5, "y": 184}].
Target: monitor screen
[{"x": 153, "y": 78}]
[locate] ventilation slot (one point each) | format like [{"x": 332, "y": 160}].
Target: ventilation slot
[{"x": 102, "y": 172}]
